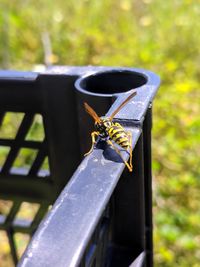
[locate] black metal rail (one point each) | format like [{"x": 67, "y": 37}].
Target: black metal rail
[{"x": 103, "y": 217}]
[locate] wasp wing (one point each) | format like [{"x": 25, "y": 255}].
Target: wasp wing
[
  {"x": 123, "y": 104},
  {"x": 92, "y": 113}
]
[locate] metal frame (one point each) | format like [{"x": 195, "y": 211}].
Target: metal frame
[{"x": 103, "y": 217}]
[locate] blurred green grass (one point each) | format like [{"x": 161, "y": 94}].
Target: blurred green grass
[{"x": 162, "y": 36}]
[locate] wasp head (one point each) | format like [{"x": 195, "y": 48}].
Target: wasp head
[
  {"x": 99, "y": 126},
  {"x": 102, "y": 126}
]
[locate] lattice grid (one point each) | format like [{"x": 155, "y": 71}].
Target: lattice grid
[{"x": 23, "y": 152}]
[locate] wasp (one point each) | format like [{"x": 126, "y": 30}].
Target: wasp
[{"x": 112, "y": 132}]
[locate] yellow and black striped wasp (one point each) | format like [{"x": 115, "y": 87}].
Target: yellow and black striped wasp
[{"x": 112, "y": 132}]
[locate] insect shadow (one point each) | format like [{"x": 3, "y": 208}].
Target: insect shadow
[{"x": 108, "y": 152}]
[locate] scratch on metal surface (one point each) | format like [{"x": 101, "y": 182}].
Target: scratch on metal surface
[
  {"x": 140, "y": 103},
  {"x": 104, "y": 161},
  {"x": 94, "y": 172},
  {"x": 132, "y": 102},
  {"x": 83, "y": 164}
]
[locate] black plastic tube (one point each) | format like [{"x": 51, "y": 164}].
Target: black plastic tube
[{"x": 100, "y": 89}]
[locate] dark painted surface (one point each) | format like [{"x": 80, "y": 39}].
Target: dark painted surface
[{"x": 98, "y": 218}]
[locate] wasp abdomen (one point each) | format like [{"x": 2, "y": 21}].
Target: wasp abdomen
[{"x": 119, "y": 136}]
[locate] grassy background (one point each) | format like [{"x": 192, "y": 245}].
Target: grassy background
[{"x": 162, "y": 36}]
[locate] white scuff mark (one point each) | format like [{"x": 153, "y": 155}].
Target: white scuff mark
[
  {"x": 83, "y": 165},
  {"x": 72, "y": 196},
  {"x": 132, "y": 102},
  {"x": 103, "y": 162},
  {"x": 140, "y": 103},
  {"x": 29, "y": 255},
  {"x": 94, "y": 172}
]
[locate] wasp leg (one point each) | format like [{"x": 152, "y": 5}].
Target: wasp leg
[
  {"x": 118, "y": 152},
  {"x": 130, "y": 148},
  {"x": 93, "y": 134}
]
